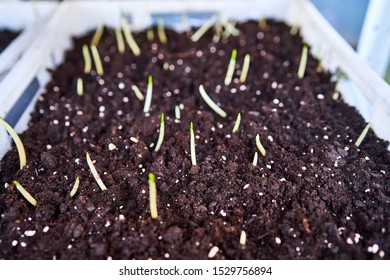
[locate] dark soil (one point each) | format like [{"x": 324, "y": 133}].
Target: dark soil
[
  {"x": 315, "y": 195},
  {"x": 6, "y": 37}
]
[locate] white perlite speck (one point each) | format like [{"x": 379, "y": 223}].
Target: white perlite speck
[
  {"x": 246, "y": 186},
  {"x": 278, "y": 240},
  {"x": 111, "y": 147},
  {"x": 14, "y": 243},
  {"x": 373, "y": 249},
  {"x": 45, "y": 229},
  {"x": 213, "y": 252},
  {"x": 29, "y": 232},
  {"x": 223, "y": 213}
]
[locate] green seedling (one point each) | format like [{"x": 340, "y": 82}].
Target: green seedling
[
  {"x": 119, "y": 39},
  {"x": 218, "y": 33},
  {"x": 25, "y": 193},
  {"x": 96, "y": 59},
  {"x": 245, "y": 68},
  {"x": 303, "y": 62},
  {"x": 243, "y": 238},
  {"x": 129, "y": 37},
  {"x": 18, "y": 142},
  {"x": 255, "y": 159},
  {"x": 80, "y": 87},
  {"x": 263, "y": 23},
  {"x": 87, "y": 60},
  {"x": 211, "y": 103},
  {"x": 161, "y": 31},
  {"x": 75, "y": 186},
  {"x": 177, "y": 112},
  {"x": 161, "y": 134},
  {"x": 362, "y": 135},
  {"x": 153, "y": 196},
  {"x": 237, "y": 123},
  {"x": 95, "y": 173},
  {"x": 230, "y": 29},
  {"x": 149, "y": 93},
  {"x": 260, "y": 146},
  {"x": 230, "y": 70},
  {"x": 192, "y": 144},
  {"x": 294, "y": 30},
  {"x": 150, "y": 34},
  {"x": 137, "y": 92},
  {"x": 98, "y": 35},
  {"x": 203, "y": 29}
]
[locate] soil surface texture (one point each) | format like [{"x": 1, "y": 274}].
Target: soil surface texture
[
  {"x": 314, "y": 195},
  {"x": 6, "y": 37}
]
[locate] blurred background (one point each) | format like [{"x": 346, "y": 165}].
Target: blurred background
[{"x": 364, "y": 24}]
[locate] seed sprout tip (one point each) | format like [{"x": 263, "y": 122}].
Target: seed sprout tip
[
  {"x": 245, "y": 68},
  {"x": 97, "y": 60},
  {"x": 80, "y": 87},
  {"x": 95, "y": 173},
  {"x": 75, "y": 186},
  {"x": 255, "y": 159},
  {"x": 18, "y": 142},
  {"x": 98, "y": 35},
  {"x": 137, "y": 92},
  {"x": 177, "y": 112},
  {"x": 149, "y": 92},
  {"x": 303, "y": 62},
  {"x": 150, "y": 34},
  {"x": 87, "y": 59},
  {"x": 237, "y": 123},
  {"x": 211, "y": 103},
  {"x": 25, "y": 193},
  {"x": 120, "y": 40},
  {"x": 203, "y": 29},
  {"x": 260, "y": 146},
  {"x": 230, "y": 70},
  {"x": 161, "y": 134},
  {"x": 243, "y": 238},
  {"x": 152, "y": 196},
  {"x": 362, "y": 135},
  {"x": 129, "y": 37},
  {"x": 161, "y": 31},
  {"x": 192, "y": 144}
]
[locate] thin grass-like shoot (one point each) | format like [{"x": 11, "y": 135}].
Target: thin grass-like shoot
[
  {"x": 119, "y": 39},
  {"x": 237, "y": 123},
  {"x": 95, "y": 173},
  {"x": 203, "y": 29},
  {"x": 230, "y": 70},
  {"x": 218, "y": 33},
  {"x": 25, "y": 193},
  {"x": 303, "y": 62},
  {"x": 80, "y": 87},
  {"x": 149, "y": 93},
  {"x": 362, "y": 135},
  {"x": 294, "y": 30},
  {"x": 255, "y": 159},
  {"x": 129, "y": 37},
  {"x": 18, "y": 142},
  {"x": 153, "y": 196},
  {"x": 75, "y": 186},
  {"x": 137, "y": 92},
  {"x": 211, "y": 103},
  {"x": 263, "y": 23},
  {"x": 177, "y": 112},
  {"x": 230, "y": 29},
  {"x": 243, "y": 238},
  {"x": 245, "y": 68},
  {"x": 161, "y": 31},
  {"x": 97, "y": 60},
  {"x": 87, "y": 59},
  {"x": 161, "y": 134},
  {"x": 98, "y": 35},
  {"x": 150, "y": 34},
  {"x": 260, "y": 146},
  {"x": 192, "y": 144}
]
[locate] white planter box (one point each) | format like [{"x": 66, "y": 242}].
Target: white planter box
[
  {"x": 363, "y": 88},
  {"x": 28, "y": 17}
]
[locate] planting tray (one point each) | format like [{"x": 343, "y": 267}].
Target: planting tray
[
  {"x": 28, "y": 17},
  {"x": 362, "y": 88}
]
